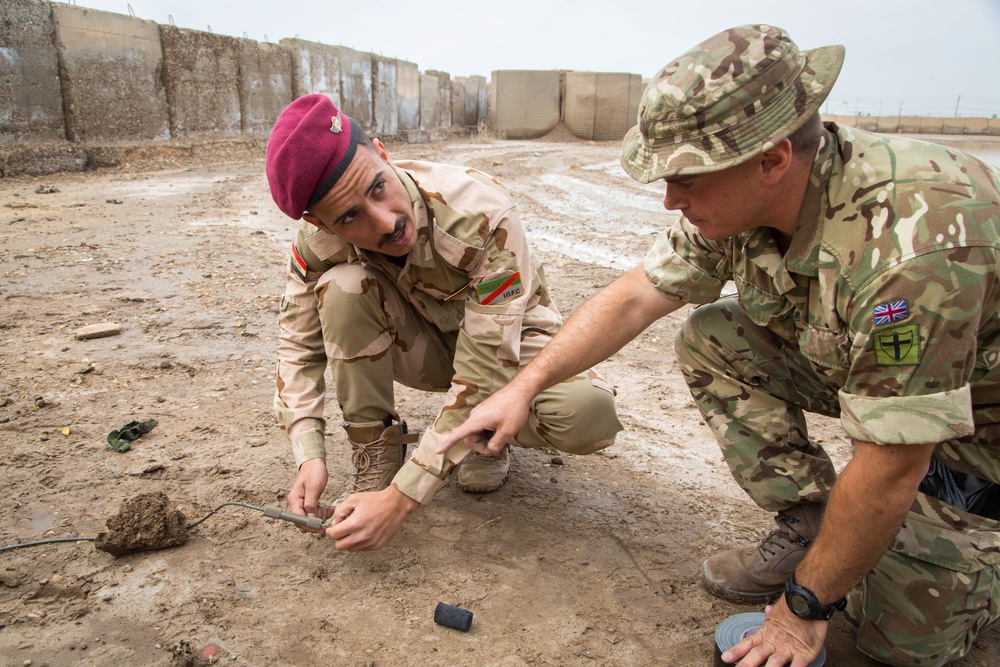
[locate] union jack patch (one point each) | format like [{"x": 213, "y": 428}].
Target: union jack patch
[
  {"x": 887, "y": 313},
  {"x": 298, "y": 264}
]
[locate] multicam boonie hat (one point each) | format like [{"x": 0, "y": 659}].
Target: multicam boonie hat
[{"x": 726, "y": 100}]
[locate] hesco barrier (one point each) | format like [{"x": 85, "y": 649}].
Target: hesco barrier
[
  {"x": 111, "y": 73},
  {"x": 81, "y": 88},
  {"x": 919, "y": 124},
  {"x": 199, "y": 62},
  {"x": 601, "y": 106},
  {"x": 524, "y": 104},
  {"x": 31, "y": 105}
]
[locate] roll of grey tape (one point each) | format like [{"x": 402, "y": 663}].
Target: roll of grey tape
[
  {"x": 453, "y": 617},
  {"x": 736, "y": 628}
]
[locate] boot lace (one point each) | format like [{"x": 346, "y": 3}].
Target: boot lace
[
  {"x": 369, "y": 460},
  {"x": 781, "y": 537}
]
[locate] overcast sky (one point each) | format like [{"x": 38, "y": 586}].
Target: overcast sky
[{"x": 930, "y": 55}]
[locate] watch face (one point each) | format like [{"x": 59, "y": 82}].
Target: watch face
[{"x": 798, "y": 604}]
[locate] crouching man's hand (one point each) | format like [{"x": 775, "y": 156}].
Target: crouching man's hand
[{"x": 367, "y": 521}]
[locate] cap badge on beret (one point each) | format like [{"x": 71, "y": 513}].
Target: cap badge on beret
[{"x": 311, "y": 146}]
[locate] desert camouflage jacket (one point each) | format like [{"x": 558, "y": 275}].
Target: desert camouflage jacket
[
  {"x": 890, "y": 286},
  {"x": 471, "y": 272}
]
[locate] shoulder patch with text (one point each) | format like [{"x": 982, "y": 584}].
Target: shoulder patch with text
[
  {"x": 897, "y": 346},
  {"x": 500, "y": 290}
]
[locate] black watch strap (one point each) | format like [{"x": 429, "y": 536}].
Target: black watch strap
[{"x": 803, "y": 602}]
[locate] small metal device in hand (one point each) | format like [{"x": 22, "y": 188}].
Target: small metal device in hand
[{"x": 311, "y": 522}]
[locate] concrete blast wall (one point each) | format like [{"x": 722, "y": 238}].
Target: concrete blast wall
[
  {"x": 385, "y": 99},
  {"x": 356, "y": 86},
  {"x": 31, "y": 105},
  {"x": 476, "y": 100},
  {"x": 315, "y": 68},
  {"x": 196, "y": 63},
  {"x": 524, "y": 104},
  {"x": 408, "y": 95},
  {"x": 435, "y": 100},
  {"x": 601, "y": 106},
  {"x": 457, "y": 103},
  {"x": 110, "y": 68},
  {"x": 265, "y": 85}
]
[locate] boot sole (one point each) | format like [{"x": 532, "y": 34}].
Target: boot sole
[
  {"x": 718, "y": 590},
  {"x": 474, "y": 487}
]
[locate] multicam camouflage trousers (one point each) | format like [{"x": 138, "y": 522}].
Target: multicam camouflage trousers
[
  {"x": 375, "y": 336},
  {"x": 938, "y": 585}
]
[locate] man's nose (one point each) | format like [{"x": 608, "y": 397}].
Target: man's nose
[
  {"x": 674, "y": 199},
  {"x": 385, "y": 221}
]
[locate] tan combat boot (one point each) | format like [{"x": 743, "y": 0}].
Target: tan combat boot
[
  {"x": 758, "y": 574},
  {"x": 484, "y": 474},
  {"x": 377, "y": 453}
]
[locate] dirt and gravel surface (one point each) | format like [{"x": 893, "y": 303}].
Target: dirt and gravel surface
[{"x": 575, "y": 561}]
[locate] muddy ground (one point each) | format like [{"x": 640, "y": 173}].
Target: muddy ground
[{"x": 575, "y": 561}]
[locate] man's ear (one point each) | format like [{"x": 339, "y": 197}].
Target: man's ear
[
  {"x": 382, "y": 152},
  {"x": 775, "y": 162},
  {"x": 316, "y": 222}
]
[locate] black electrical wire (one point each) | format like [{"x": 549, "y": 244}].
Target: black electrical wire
[{"x": 91, "y": 539}]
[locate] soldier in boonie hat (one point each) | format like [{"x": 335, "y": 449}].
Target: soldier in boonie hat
[
  {"x": 865, "y": 268},
  {"x": 729, "y": 98}
]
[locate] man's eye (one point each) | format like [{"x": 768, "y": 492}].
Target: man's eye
[
  {"x": 379, "y": 187},
  {"x": 348, "y": 217}
]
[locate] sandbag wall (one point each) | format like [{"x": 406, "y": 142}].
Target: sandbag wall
[{"x": 87, "y": 77}]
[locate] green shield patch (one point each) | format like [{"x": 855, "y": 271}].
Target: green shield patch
[{"x": 897, "y": 346}]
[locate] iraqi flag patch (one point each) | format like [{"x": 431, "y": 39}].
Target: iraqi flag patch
[
  {"x": 500, "y": 290},
  {"x": 298, "y": 264}
]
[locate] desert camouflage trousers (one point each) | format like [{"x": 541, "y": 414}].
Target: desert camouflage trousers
[
  {"x": 938, "y": 585},
  {"x": 373, "y": 336}
]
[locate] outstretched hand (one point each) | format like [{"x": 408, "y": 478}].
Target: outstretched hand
[
  {"x": 491, "y": 423},
  {"x": 784, "y": 639}
]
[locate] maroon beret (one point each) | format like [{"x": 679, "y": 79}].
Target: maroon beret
[{"x": 311, "y": 145}]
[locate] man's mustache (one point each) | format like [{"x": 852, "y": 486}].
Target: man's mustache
[{"x": 400, "y": 224}]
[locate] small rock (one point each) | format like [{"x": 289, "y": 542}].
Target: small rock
[{"x": 98, "y": 331}]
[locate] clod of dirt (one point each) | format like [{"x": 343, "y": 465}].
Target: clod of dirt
[{"x": 146, "y": 522}]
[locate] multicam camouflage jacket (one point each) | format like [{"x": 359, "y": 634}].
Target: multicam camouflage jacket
[
  {"x": 471, "y": 272},
  {"x": 890, "y": 287}
]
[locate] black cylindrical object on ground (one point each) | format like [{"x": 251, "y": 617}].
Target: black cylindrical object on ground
[{"x": 453, "y": 617}]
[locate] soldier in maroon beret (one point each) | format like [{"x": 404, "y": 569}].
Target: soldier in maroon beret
[{"x": 410, "y": 272}]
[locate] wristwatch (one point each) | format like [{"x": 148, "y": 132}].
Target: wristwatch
[{"x": 804, "y": 603}]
